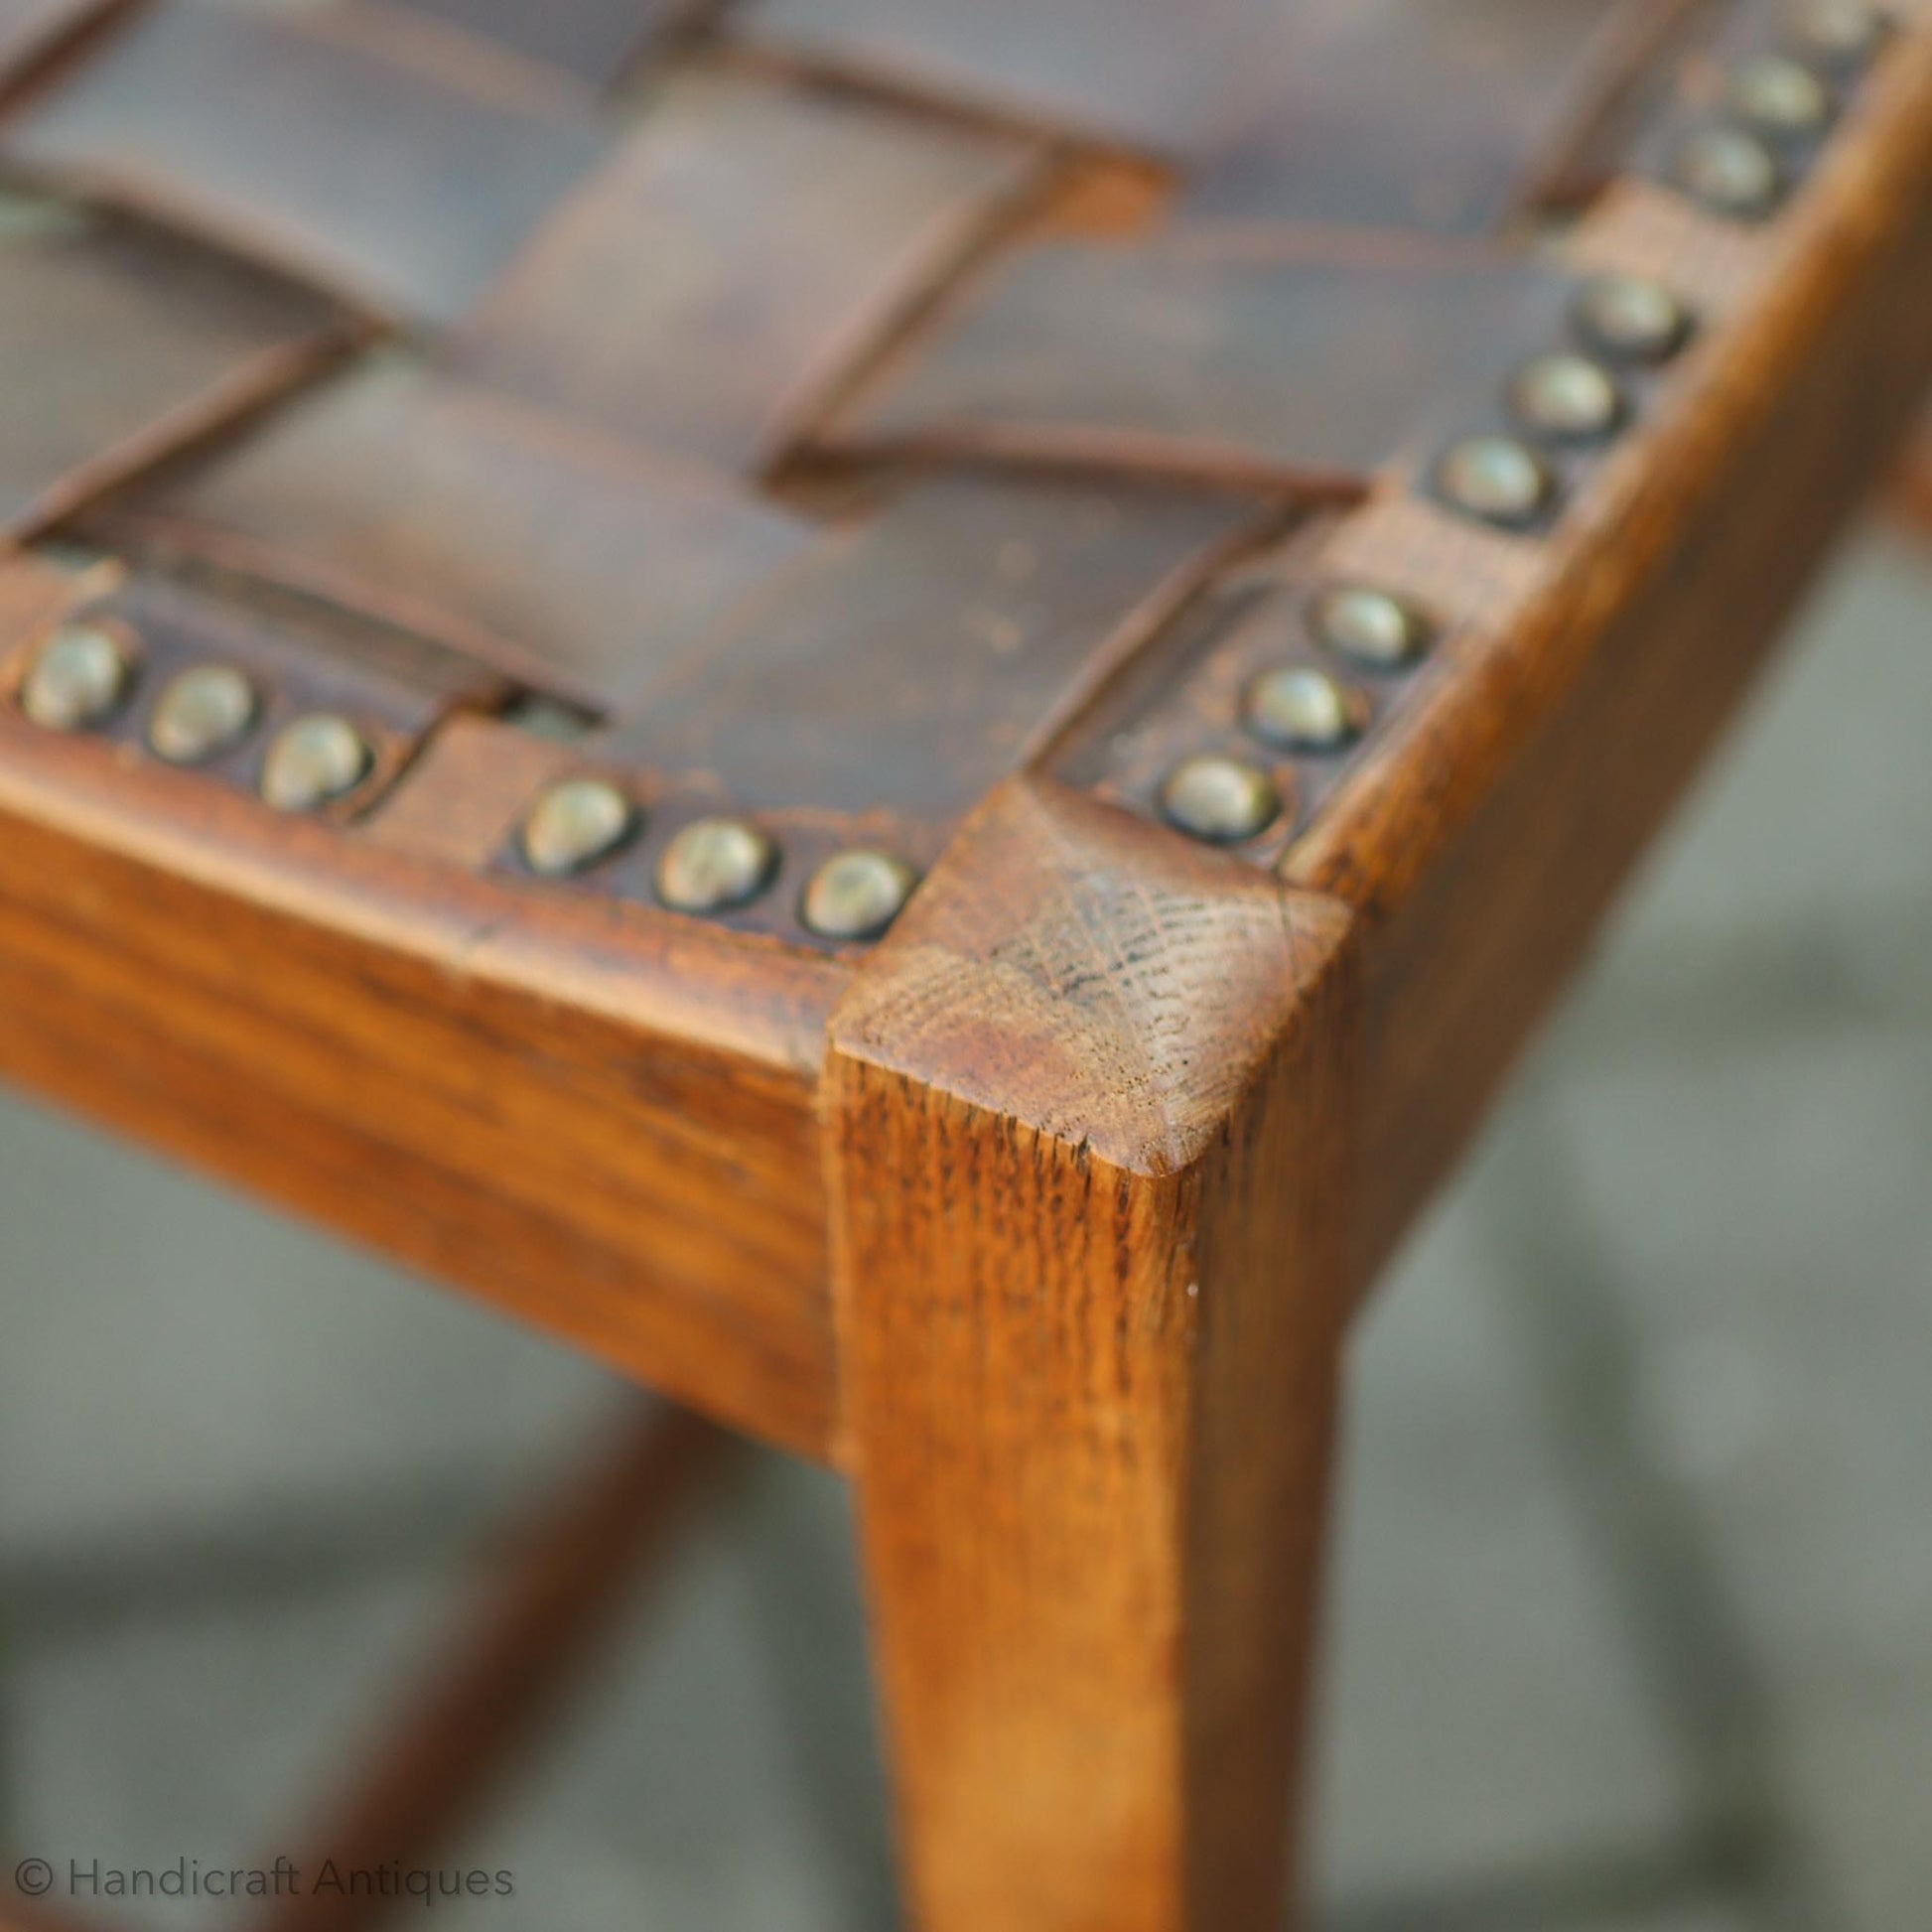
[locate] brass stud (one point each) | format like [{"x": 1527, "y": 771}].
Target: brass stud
[
  {"x": 713, "y": 864},
  {"x": 1730, "y": 172},
  {"x": 1632, "y": 319},
  {"x": 1370, "y": 627},
  {"x": 312, "y": 762},
  {"x": 1781, "y": 96},
  {"x": 78, "y": 677},
  {"x": 1498, "y": 478},
  {"x": 574, "y": 825},
  {"x": 857, "y": 894},
  {"x": 1301, "y": 709},
  {"x": 1566, "y": 396},
  {"x": 1846, "y": 33},
  {"x": 1220, "y": 799},
  {"x": 201, "y": 713}
]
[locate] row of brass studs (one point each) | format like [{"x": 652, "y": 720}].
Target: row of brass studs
[
  {"x": 1778, "y": 101},
  {"x": 87, "y": 671},
  {"x": 1565, "y": 396},
  {"x": 713, "y": 865},
  {"x": 1777, "y": 105},
  {"x": 1298, "y": 708},
  {"x": 1568, "y": 398}
]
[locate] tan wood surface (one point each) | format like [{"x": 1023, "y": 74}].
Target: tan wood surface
[
  {"x": 1911, "y": 488},
  {"x": 1089, "y": 1110}
]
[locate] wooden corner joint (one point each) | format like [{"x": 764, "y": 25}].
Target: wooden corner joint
[
  {"x": 1096, "y": 982},
  {"x": 1087, "y": 1130}
]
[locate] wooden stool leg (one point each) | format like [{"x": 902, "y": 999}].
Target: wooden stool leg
[
  {"x": 1911, "y": 486},
  {"x": 1090, "y": 1341}
]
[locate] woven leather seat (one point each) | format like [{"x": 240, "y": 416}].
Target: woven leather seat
[{"x": 631, "y": 633}]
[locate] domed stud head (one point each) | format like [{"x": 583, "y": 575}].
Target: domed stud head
[
  {"x": 1730, "y": 172},
  {"x": 313, "y": 761},
  {"x": 1844, "y": 33},
  {"x": 78, "y": 677},
  {"x": 1568, "y": 397},
  {"x": 715, "y": 864},
  {"x": 1498, "y": 479},
  {"x": 857, "y": 894},
  {"x": 1781, "y": 98},
  {"x": 200, "y": 713},
  {"x": 574, "y": 825},
  {"x": 1301, "y": 709},
  {"x": 1370, "y": 627},
  {"x": 1220, "y": 799},
  {"x": 1632, "y": 319}
]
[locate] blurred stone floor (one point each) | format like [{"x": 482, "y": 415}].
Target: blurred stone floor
[{"x": 1633, "y": 1611}]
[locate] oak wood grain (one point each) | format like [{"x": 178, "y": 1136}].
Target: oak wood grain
[
  {"x": 602, "y": 1122},
  {"x": 1911, "y": 486},
  {"x": 1087, "y": 1115}
]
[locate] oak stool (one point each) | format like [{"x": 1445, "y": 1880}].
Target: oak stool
[{"x": 894, "y": 709}]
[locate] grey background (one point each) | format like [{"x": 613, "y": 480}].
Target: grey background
[{"x": 1633, "y": 1610}]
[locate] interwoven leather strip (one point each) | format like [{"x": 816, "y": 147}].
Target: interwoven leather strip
[
  {"x": 128, "y": 343},
  {"x": 1379, "y": 113},
  {"x": 394, "y": 162},
  {"x": 745, "y": 243},
  {"x": 834, "y": 404},
  {"x": 580, "y": 564},
  {"x": 597, "y": 40},
  {"x": 1168, "y": 354}
]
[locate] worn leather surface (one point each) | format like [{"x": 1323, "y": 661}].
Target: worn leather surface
[
  {"x": 833, "y": 401},
  {"x": 1181, "y": 353},
  {"x": 119, "y": 337},
  {"x": 1004, "y": 593},
  {"x": 740, "y": 243},
  {"x": 597, "y": 40},
  {"x": 576, "y": 561}
]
